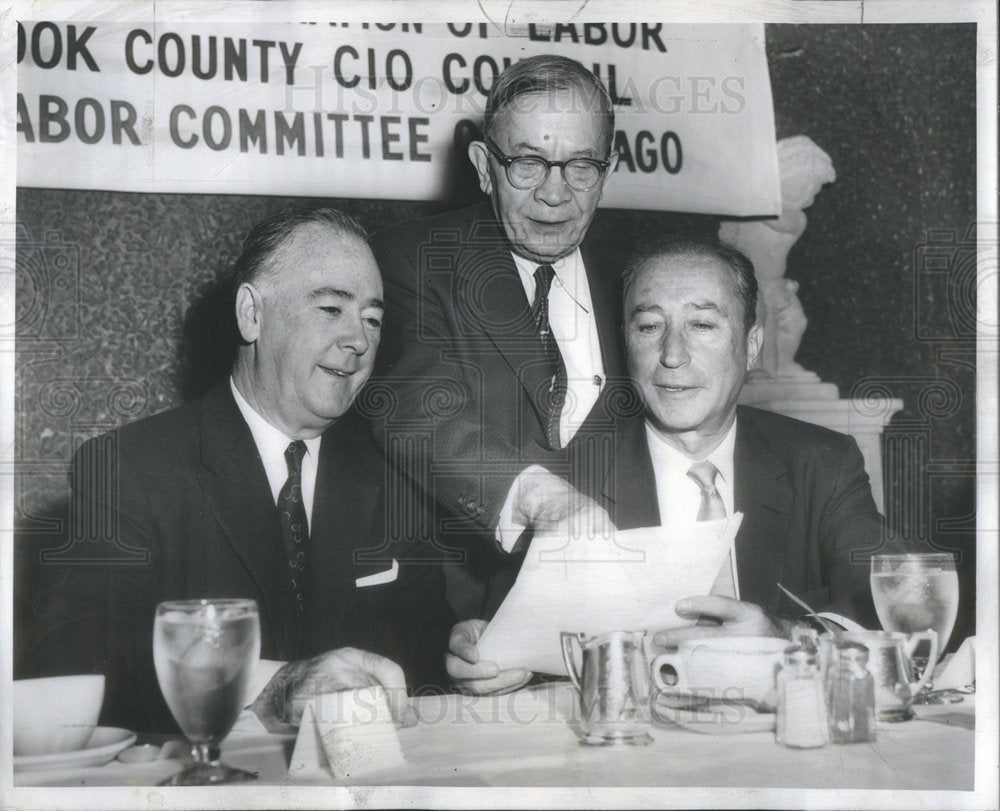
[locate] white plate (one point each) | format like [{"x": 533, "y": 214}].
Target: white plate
[
  {"x": 712, "y": 717},
  {"x": 103, "y": 745}
]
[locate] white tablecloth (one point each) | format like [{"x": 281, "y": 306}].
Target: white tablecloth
[{"x": 530, "y": 738}]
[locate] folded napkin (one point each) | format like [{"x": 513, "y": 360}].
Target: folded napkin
[
  {"x": 348, "y": 733},
  {"x": 960, "y": 672}
]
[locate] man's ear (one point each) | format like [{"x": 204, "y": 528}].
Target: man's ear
[
  {"x": 248, "y": 303},
  {"x": 755, "y": 340},
  {"x": 480, "y": 158},
  {"x": 612, "y": 163}
]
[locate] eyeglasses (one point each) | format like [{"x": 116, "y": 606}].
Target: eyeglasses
[{"x": 529, "y": 171}]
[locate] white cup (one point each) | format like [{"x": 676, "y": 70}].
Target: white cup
[
  {"x": 55, "y": 714},
  {"x": 721, "y": 667}
]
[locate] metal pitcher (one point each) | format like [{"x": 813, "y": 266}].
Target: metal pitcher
[
  {"x": 613, "y": 685},
  {"x": 889, "y": 662}
]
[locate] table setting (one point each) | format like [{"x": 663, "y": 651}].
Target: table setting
[
  {"x": 844, "y": 710},
  {"x": 532, "y": 738}
]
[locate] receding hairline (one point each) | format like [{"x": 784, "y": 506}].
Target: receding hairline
[
  {"x": 683, "y": 252},
  {"x": 500, "y": 118},
  {"x": 544, "y": 74},
  {"x": 268, "y": 235},
  {"x": 268, "y": 268},
  {"x": 678, "y": 254}
]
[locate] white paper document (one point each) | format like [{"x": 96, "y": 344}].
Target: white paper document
[{"x": 628, "y": 581}]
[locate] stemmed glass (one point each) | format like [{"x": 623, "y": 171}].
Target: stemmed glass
[
  {"x": 205, "y": 652},
  {"x": 916, "y": 593}
]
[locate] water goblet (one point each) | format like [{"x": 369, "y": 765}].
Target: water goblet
[
  {"x": 915, "y": 593},
  {"x": 205, "y": 652}
]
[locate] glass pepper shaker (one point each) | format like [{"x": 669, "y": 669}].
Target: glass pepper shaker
[{"x": 850, "y": 693}]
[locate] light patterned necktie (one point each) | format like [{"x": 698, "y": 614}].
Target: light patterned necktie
[
  {"x": 292, "y": 518},
  {"x": 712, "y": 508}
]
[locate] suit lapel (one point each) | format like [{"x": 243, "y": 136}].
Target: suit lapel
[
  {"x": 489, "y": 278},
  {"x": 605, "y": 295},
  {"x": 630, "y": 487},
  {"x": 235, "y": 486},
  {"x": 490, "y": 281},
  {"x": 763, "y": 493},
  {"x": 343, "y": 521}
]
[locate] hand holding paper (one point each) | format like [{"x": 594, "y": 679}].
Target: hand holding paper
[
  {"x": 734, "y": 618},
  {"x": 473, "y": 675},
  {"x": 628, "y": 580}
]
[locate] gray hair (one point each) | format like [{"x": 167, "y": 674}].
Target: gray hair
[
  {"x": 267, "y": 236},
  {"x": 742, "y": 270},
  {"x": 544, "y": 74}
]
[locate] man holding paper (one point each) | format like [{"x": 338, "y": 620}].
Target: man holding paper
[
  {"x": 808, "y": 517},
  {"x": 269, "y": 487},
  {"x": 809, "y": 520},
  {"x": 503, "y": 325}
]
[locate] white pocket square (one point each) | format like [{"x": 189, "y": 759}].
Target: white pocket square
[{"x": 377, "y": 579}]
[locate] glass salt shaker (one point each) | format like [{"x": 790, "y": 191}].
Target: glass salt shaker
[{"x": 801, "y": 714}]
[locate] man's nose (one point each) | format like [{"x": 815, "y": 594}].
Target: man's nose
[
  {"x": 554, "y": 190},
  {"x": 354, "y": 338},
  {"x": 673, "y": 350}
]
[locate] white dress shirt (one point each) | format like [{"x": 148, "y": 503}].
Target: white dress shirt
[
  {"x": 571, "y": 318},
  {"x": 271, "y": 445},
  {"x": 678, "y": 495},
  {"x": 573, "y": 325}
]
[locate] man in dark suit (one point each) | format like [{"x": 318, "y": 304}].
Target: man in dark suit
[
  {"x": 504, "y": 328},
  {"x": 269, "y": 487},
  {"x": 809, "y": 520}
]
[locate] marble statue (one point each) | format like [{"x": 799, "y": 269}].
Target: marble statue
[{"x": 803, "y": 168}]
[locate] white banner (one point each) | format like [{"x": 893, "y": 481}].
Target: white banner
[{"x": 377, "y": 110}]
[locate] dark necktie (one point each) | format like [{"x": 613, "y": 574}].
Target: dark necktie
[
  {"x": 554, "y": 397},
  {"x": 712, "y": 508},
  {"x": 292, "y": 517}
]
